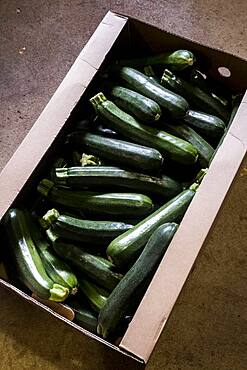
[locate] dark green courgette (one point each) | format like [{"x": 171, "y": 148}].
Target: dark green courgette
[
  {"x": 205, "y": 124},
  {"x": 86, "y": 231},
  {"x": 196, "y": 97},
  {"x": 204, "y": 149},
  {"x": 148, "y": 71},
  {"x": 204, "y": 83},
  {"x": 142, "y": 84},
  {"x": 84, "y": 317},
  {"x": 97, "y": 204},
  {"x": 236, "y": 103},
  {"x": 132, "y": 102},
  {"x": 176, "y": 60},
  {"x": 56, "y": 269},
  {"x": 98, "y": 269},
  {"x": 144, "y": 268},
  {"x": 26, "y": 259},
  {"x": 95, "y": 295},
  {"x": 127, "y": 246},
  {"x": 108, "y": 177},
  {"x": 177, "y": 149},
  {"x": 124, "y": 153}
]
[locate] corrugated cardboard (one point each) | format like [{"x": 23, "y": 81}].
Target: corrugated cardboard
[{"x": 114, "y": 32}]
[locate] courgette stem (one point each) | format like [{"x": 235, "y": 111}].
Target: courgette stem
[
  {"x": 45, "y": 186},
  {"x": 49, "y": 218},
  {"x": 89, "y": 160},
  {"x": 58, "y": 293},
  {"x": 149, "y": 72}
]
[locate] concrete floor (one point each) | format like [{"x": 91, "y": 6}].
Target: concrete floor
[{"x": 39, "y": 41}]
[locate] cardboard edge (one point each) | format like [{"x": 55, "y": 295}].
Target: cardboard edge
[{"x": 175, "y": 267}]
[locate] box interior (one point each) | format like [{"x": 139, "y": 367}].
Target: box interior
[{"x": 135, "y": 39}]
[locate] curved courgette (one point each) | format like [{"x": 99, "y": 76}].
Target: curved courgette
[
  {"x": 56, "y": 268},
  {"x": 132, "y": 102},
  {"x": 205, "y": 124},
  {"x": 204, "y": 149},
  {"x": 125, "y": 248},
  {"x": 176, "y": 60},
  {"x": 26, "y": 259},
  {"x": 177, "y": 149},
  {"x": 97, "y": 204},
  {"x": 98, "y": 269},
  {"x": 144, "y": 268},
  {"x": 168, "y": 100},
  {"x": 108, "y": 177},
  {"x": 142, "y": 158},
  {"x": 86, "y": 231},
  {"x": 195, "y": 96}
]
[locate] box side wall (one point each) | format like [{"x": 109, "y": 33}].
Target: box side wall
[
  {"x": 210, "y": 59},
  {"x": 152, "y": 314}
]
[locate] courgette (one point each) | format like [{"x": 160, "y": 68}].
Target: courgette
[
  {"x": 98, "y": 269},
  {"x": 144, "y": 268},
  {"x": 108, "y": 177},
  {"x": 86, "y": 231},
  {"x": 176, "y": 60},
  {"x": 105, "y": 131},
  {"x": 175, "y": 148},
  {"x": 168, "y": 100},
  {"x": 204, "y": 149},
  {"x": 205, "y": 124},
  {"x": 84, "y": 317},
  {"x": 26, "y": 259},
  {"x": 125, "y": 248},
  {"x": 132, "y": 102},
  {"x": 95, "y": 295},
  {"x": 97, "y": 204},
  {"x": 204, "y": 83},
  {"x": 55, "y": 268},
  {"x": 148, "y": 71},
  {"x": 236, "y": 103},
  {"x": 124, "y": 153},
  {"x": 196, "y": 97}
]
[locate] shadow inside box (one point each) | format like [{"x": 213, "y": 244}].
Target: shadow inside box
[{"x": 29, "y": 334}]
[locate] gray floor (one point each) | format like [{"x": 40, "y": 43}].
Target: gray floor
[{"x": 39, "y": 40}]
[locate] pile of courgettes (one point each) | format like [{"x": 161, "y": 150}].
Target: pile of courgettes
[{"x": 112, "y": 205}]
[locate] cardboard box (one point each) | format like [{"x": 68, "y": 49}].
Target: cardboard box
[{"x": 114, "y": 35}]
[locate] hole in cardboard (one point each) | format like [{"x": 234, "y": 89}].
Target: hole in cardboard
[{"x": 224, "y": 72}]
